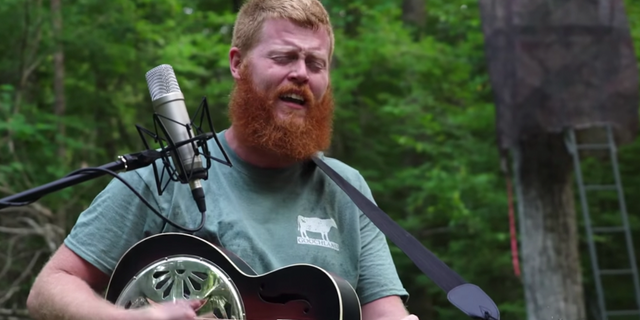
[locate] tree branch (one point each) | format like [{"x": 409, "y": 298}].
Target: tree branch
[
  {"x": 30, "y": 209},
  {"x": 35, "y": 208},
  {"x": 19, "y": 231},
  {"x": 14, "y": 312},
  {"x": 9, "y": 261},
  {"x": 51, "y": 233},
  {"x": 15, "y": 285}
]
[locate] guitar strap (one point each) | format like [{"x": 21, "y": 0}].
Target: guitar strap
[{"x": 467, "y": 297}]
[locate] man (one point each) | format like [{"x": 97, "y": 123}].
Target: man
[{"x": 281, "y": 113}]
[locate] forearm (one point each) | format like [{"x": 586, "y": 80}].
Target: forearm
[
  {"x": 389, "y": 314},
  {"x": 388, "y": 308},
  {"x": 63, "y": 296}
]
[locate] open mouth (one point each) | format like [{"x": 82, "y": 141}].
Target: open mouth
[{"x": 293, "y": 98}]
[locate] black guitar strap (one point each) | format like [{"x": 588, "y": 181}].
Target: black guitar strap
[{"x": 467, "y": 297}]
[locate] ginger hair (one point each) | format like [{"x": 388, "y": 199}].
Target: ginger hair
[{"x": 253, "y": 13}]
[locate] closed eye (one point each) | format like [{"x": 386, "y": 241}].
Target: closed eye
[
  {"x": 281, "y": 59},
  {"x": 313, "y": 63},
  {"x": 316, "y": 65}
]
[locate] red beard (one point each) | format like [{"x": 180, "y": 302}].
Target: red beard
[{"x": 256, "y": 123}]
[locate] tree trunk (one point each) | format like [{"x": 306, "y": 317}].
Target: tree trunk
[
  {"x": 414, "y": 12},
  {"x": 58, "y": 69},
  {"x": 236, "y": 5},
  {"x": 549, "y": 237},
  {"x": 58, "y": 87}
]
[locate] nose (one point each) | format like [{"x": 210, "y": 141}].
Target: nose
[{"x": 299, "y": 73}]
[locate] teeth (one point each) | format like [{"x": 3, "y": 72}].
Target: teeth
[{"x": 293, "y": 96}]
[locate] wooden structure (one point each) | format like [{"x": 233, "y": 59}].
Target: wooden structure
[
  {"x": 559, "y": 64},
  {"x": 559, "y": 67}
]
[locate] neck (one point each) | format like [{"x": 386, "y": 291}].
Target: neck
[{"x": 255, "y": 155}]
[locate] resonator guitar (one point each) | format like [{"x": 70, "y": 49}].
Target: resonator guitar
[{"x": 173, "y": 266}]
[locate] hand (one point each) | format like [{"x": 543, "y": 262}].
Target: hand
[
  {"x": 411, "y": 317},
  {"x": 179, "y": 310}
]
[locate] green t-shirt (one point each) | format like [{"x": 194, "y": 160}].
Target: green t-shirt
[{"x": 269, "y": 218}]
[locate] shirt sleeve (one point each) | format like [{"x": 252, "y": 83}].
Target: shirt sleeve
[
  {"x": 378, "y": 275},
  {"x": 115, "y": 220}
]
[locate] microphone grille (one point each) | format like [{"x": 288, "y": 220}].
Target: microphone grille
[{"x": 161, "y": 81}]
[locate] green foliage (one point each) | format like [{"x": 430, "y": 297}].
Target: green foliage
[{"x": 415, "y": 115}]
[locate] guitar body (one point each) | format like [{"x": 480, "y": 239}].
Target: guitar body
[{"x": 171, "y": 266}]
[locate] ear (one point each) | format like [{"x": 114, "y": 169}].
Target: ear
[{"x": 235, "y": 61}]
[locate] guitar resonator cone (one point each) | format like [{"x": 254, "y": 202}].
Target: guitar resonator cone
[{"x": 185, "y": 277}]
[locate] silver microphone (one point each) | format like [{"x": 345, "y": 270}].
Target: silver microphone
[{"x": 168, "y": 103}]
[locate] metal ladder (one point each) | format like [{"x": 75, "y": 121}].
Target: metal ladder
[{"x": 630, "y": 269}]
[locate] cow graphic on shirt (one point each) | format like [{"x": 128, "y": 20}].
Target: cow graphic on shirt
[{"x": 319, "y": 226}]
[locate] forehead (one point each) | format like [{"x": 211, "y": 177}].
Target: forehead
[{"x": 285, "y": 35}]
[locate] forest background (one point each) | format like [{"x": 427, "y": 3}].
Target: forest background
[{"x": 416, "y": 116}]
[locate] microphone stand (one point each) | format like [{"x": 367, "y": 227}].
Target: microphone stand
[
  {"x": 137, "y": 160},
  {"x": 125, "y": 162}
]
